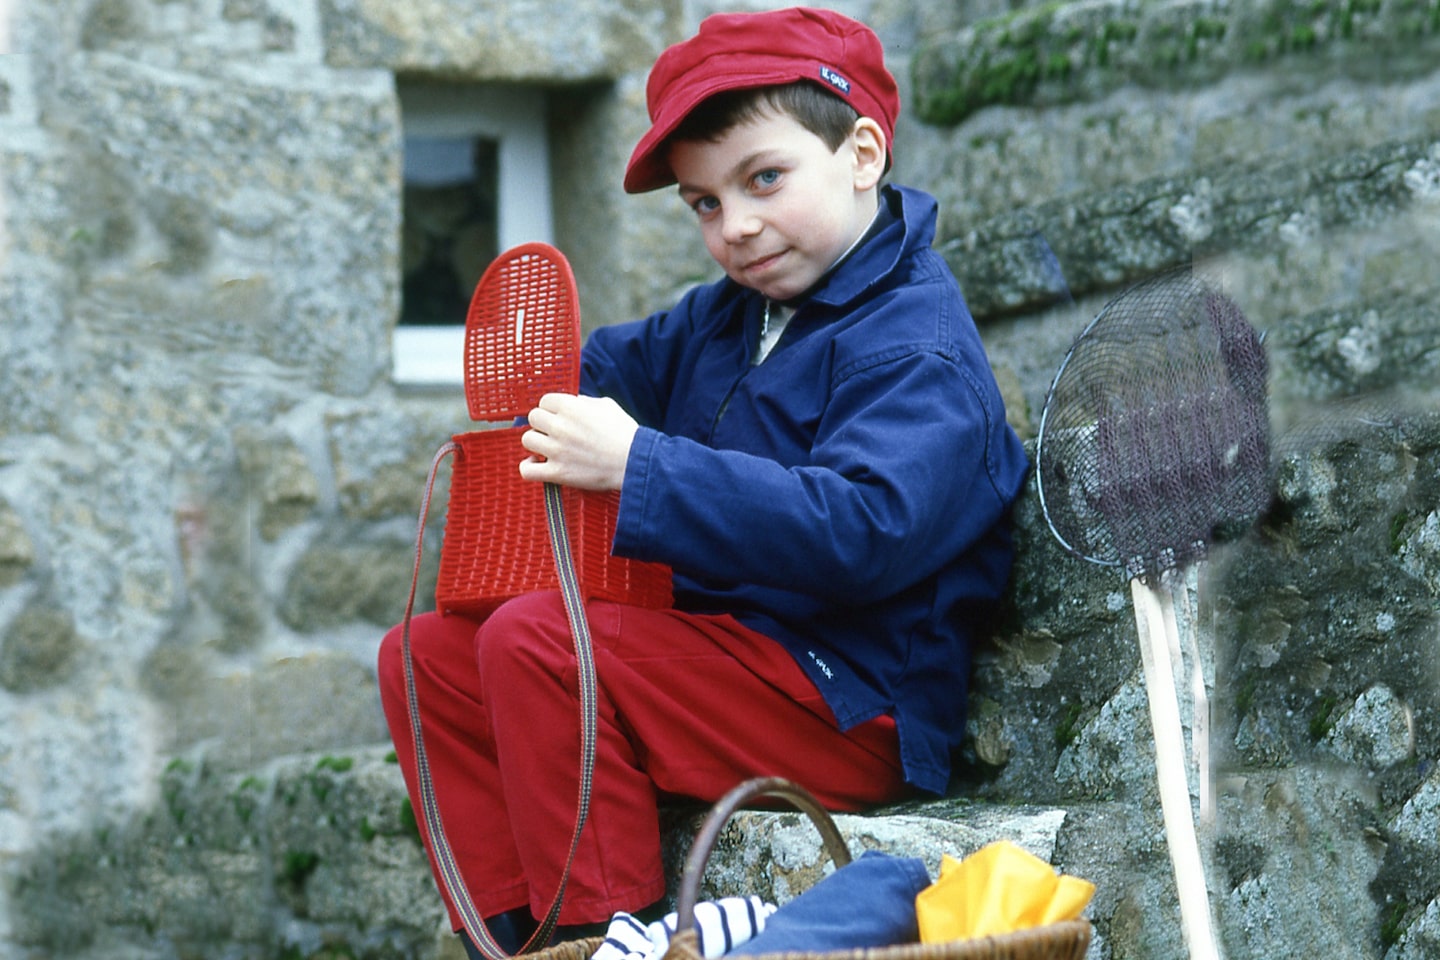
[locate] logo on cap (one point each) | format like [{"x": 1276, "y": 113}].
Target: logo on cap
[{"x": 835, "y": 80}]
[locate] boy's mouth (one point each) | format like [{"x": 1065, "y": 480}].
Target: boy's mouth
[{"x": 762, "y": 264}]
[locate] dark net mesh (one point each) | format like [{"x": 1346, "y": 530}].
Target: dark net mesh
[{"x": 1155, "y": 436}]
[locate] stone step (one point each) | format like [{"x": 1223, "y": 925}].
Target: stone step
[
  {"x": 1033, "y": 257},
  {"x": 778, "y": 853},
  {"x": 322, "y": 849}
]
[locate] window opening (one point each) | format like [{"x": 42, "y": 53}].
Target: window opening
[
  {"x": 476, "y": 182},
  {"x": 450, "y": 228}
]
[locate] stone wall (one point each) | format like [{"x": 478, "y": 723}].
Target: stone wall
[
  {"x": 1292, "y": 171},
  {"x": 208, "y": 483}
]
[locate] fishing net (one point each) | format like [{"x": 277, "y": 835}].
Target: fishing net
[{"x": 1154, "y": 439}]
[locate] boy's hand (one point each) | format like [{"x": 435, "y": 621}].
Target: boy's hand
[{"x": 578, "y": 442}]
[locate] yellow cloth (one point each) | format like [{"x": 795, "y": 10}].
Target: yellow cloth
[{"x": 998, "y": 889}]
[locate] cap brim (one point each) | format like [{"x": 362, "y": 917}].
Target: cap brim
[{"x": 648, "y": 169}]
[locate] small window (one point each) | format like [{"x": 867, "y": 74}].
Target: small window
[
  {"x": 476, "y": 182},
  {"x": 450, "y": 226}
]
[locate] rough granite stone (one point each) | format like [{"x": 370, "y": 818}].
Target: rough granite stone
[{"x": 209, "y": 485}]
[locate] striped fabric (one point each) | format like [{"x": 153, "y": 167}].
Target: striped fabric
[{"x": 723, "y": 925}]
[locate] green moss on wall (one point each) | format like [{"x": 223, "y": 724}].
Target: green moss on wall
[
  {"x": 1060, "y": 53},
  {"x": 1067, "y": 728}
]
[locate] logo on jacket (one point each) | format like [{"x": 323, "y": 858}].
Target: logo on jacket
[{"x": 824, "y": 667}]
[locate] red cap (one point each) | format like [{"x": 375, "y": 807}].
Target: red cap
[{"x": 735, "y": 51}]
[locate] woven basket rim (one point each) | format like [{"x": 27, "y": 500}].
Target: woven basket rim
[{"x": 1063, "y": 940}]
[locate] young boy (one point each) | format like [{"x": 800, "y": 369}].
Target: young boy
[{"x": 815, "y": 444}]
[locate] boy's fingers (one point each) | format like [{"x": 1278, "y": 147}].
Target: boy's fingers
[
  {"x": 552, "y": 408},
  {"x": 533, "y": 468},
  {"x": 555, "y": 402},
  {"x": 542, "y": 445}
]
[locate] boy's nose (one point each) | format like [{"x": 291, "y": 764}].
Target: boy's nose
[{"x": 741, "y": 223}]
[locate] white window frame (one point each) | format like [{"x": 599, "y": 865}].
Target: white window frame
[{"x": 514, "y": 116}]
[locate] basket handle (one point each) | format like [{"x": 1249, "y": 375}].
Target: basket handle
[{"x": 720, "y": 814}]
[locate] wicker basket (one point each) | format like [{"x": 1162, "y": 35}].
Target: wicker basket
[
  {"x": 522, "y": 340},
  {"x": 569, "y": 950},
  {"x": 1058, "y": 941}
]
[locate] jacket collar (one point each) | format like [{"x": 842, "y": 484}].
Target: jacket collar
[{"x": 906, "y": 222}]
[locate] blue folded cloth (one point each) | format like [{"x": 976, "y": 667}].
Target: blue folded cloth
[{"x": 869, "y": 902}]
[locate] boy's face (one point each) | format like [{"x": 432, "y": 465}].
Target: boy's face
[{"x": 776, "y": 206}]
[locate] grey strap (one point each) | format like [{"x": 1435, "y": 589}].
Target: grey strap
[{"x": 448, "y": 869}]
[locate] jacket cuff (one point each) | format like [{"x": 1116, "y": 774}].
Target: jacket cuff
[{"x": 629, "y": 525}]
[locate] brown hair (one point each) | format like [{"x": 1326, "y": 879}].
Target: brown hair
[{"x": 823, "y": 114}]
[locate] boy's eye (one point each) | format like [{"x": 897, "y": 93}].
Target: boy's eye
[
  {"x": 705, "y": 205},
  {"x": 767, "y": 178}
]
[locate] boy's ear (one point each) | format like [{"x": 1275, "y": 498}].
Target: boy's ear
[{"x": 868, "y": 143}]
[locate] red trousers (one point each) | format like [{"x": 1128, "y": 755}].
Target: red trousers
[{"x": 689, "y": 706}]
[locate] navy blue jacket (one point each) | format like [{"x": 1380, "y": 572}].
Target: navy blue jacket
[{"x": 850, "y": 496}]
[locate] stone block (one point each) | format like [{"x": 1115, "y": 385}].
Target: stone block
[
  {"x": 286, "y": 706},
  {"x": 1031, "y": 257},
  {"x": 39, "y": 648},
  {"x": 1062, "y": 53},
  {"x": 1376, "y": 732},
  {"x": 287, "y": 488},
  {"x": 17, "y": 550},
  {"x": 320, "y": 851},
  {"x": 380, "y": 458},
  {"x": 273, "y": 176},
  {"x": 778, "y": 855},
  {"x": 331, "y": 585},
  {"x": 511, "y": 42}
]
